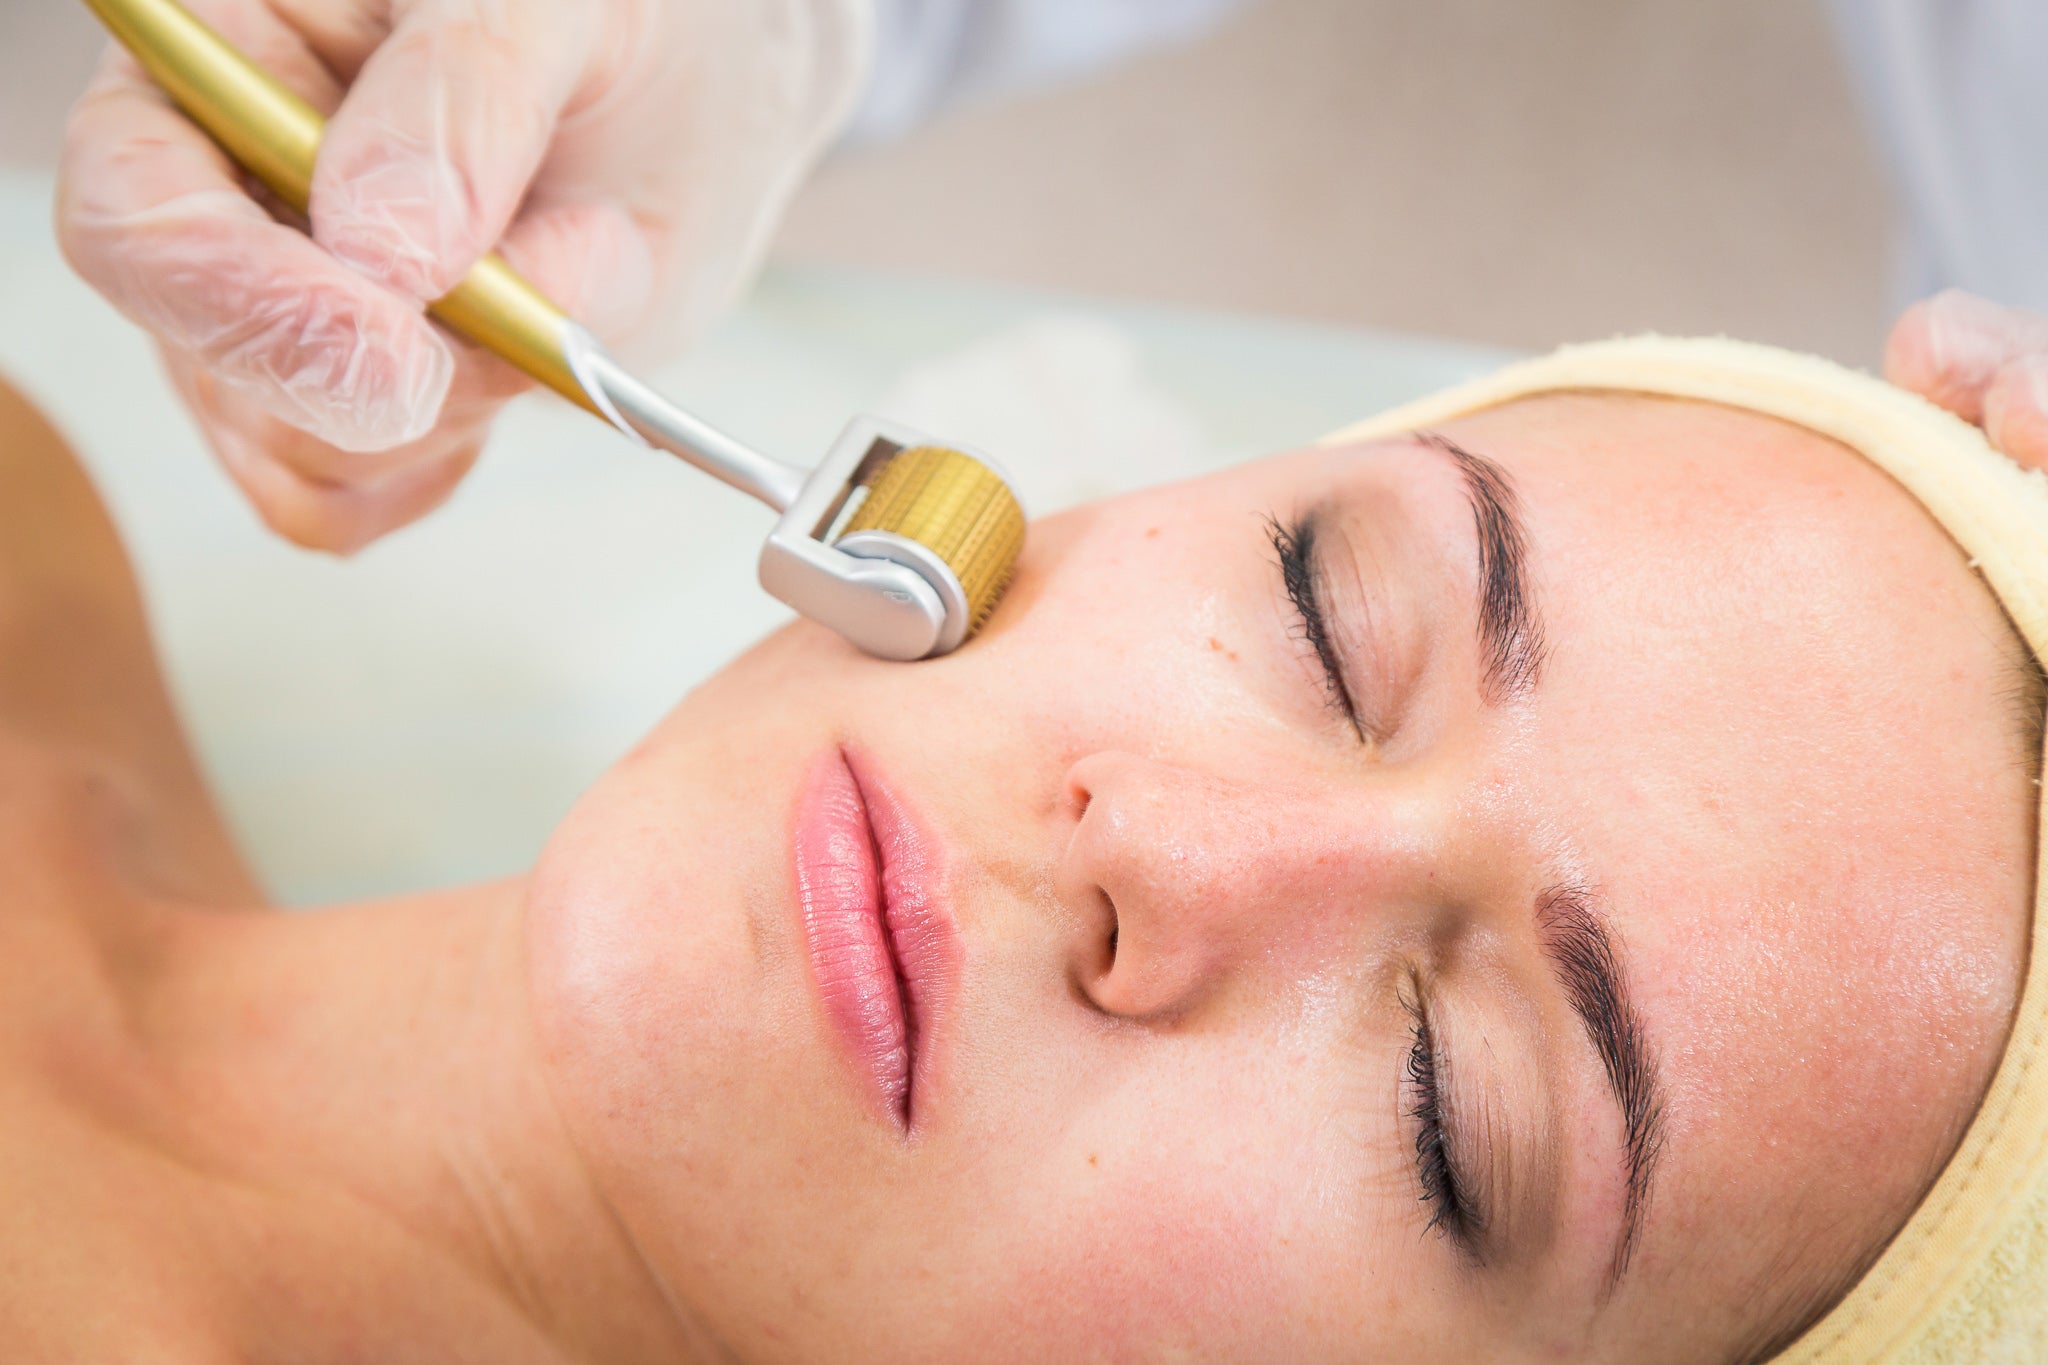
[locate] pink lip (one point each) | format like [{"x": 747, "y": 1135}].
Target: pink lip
[{"x": 883, "y": 951}]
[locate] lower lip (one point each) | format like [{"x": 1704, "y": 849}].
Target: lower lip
[{"x": 883, "y": 952}]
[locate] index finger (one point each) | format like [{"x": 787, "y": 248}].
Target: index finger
[
  {"x": 1951, "y": 348},
  {"x": 154, "y": 216}
]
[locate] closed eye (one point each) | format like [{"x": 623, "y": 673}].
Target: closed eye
[
  {"x": 1294, "y": 543},
  {"x": 1451, "y": 1210}
]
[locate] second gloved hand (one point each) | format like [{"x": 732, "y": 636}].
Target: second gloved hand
[
  {"x": 631, "y": 157},
  {"x": 1984, "y": 362}
]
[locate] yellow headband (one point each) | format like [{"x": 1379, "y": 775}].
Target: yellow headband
[{"x": 1967, "y": 1278}]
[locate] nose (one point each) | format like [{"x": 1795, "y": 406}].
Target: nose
[{"x": 1191, "y": 882}]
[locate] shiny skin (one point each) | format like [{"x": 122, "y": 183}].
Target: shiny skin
[
  {"x": 1773, "y": 732},
  {"x": 600, "y": 1113}
]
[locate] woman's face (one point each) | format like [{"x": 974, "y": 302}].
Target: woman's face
[{"x": 1554, "y": 888}]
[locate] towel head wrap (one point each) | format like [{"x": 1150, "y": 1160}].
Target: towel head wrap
[{"x": 1966, "y": 1279}]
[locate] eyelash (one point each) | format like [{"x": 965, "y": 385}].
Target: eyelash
[
  {"x": 1450, "y": 1210},
  {"x": 1294, "y": 544}
]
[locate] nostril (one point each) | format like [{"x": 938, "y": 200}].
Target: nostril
[{"x": 1107, "y": 927}]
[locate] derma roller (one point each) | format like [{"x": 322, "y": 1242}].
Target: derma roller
[{"x": 900, "y": 544}]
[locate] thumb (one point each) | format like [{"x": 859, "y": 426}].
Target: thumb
[{"x": 438, "y": 139}]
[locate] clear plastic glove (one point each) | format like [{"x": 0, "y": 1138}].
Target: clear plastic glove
[
  {"x": 630, "y": 157},
  {"x": 1982, "y": 361}
]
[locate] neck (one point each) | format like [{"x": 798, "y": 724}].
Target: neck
[{"x": 390, "y": 1178}]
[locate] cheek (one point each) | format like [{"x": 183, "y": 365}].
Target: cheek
[
  {"x": 1214, "y": 1209},
  {"x": 1152, "y": 1255},
  {"x": 1148, "y": 622}
]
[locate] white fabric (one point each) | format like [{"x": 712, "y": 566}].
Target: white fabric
[
  {"x": 1957, "y": 92},
  {"x": 932, "y": 54}
]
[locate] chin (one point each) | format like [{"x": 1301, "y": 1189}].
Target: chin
[{"x": 666, "y": 975}]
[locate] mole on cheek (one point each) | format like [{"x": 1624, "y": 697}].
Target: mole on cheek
[{"x": 1216, "y": 646}]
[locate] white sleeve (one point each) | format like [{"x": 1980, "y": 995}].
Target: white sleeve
[
  {"x": 1957, "y": 91},
  {"x": 930, "y": 54}
]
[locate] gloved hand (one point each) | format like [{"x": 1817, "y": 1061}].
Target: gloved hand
[
  {"x": 630, "y": 156},
  {"x": 1982, "y": 361}
]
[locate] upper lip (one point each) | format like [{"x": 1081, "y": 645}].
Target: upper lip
[{"x": 884, "y": 951}]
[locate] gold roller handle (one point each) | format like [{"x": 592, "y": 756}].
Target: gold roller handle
[{"x": 275, "y": 136}]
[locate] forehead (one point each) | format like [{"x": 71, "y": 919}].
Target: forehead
[
  {"x": 1765, "y": 617},
  {"x": 1777, "y": 727},
  {"x": 1751, "y": 622}
]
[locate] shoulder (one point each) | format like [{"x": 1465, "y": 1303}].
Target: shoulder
[{"x": 86, "y": 725}]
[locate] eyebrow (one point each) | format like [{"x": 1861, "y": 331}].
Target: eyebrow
[
  {"x": 1577, "y": 940},
  {"x": 1581, "y": 950},
  {"x": 1511, "y": 633}
]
